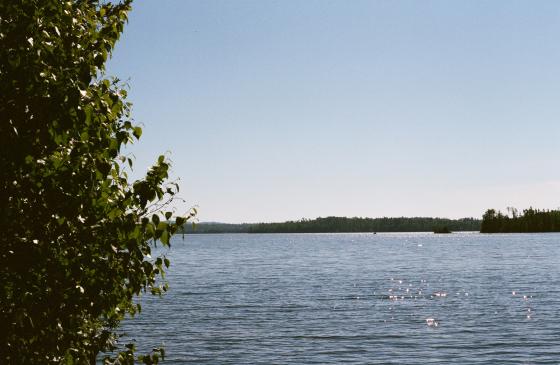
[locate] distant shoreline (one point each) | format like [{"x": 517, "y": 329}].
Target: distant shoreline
[
  {"x": 343, "y": 225},
  {"x": 312, "y": 233},
  {"x": 528, "y": 221}
]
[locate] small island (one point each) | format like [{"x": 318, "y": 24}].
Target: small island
[{"x": 442, "y": 230}]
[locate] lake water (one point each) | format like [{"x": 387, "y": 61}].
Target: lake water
[{"x": 358, "y": 299}]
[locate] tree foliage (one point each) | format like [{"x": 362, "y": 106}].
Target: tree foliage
[{"x": 76, "y": 234}]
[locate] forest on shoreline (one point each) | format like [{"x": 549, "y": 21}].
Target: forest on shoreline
[
  {"x": 493, "y": 221},
  {"x": 341, "y": 225},
  {"x": 529, "y": 221}
]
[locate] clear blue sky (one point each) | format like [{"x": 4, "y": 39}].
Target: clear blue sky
[{"x": 276, "y": 110}]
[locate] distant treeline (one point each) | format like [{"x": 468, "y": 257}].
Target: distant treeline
[
  {"x": 211, "y": 227},
  {"x": 531, "y": 220},
  {"x": 342, "y": 224}
]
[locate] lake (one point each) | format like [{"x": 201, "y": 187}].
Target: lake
[{"x": 389, "y": 298}]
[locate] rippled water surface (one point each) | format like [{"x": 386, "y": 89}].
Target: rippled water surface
[{"x": 358, "y": 299}]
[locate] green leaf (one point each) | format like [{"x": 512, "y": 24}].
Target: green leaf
[
  {"x": 164, "y": 237},
  {"x": 155, "y": 219},
  {"x": 137, "y": 132}
]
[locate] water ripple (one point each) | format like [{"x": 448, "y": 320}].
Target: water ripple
[{"x": 357, "y": 299}]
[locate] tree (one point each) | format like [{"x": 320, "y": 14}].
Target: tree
[
  {"x": 489, "y": 221},
  {"x": 76, "y": 234}
]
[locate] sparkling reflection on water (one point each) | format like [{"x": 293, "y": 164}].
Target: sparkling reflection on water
[{"x": 358, "y": 299}]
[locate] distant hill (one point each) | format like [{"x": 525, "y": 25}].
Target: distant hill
[{"x": 342, "y": 224}]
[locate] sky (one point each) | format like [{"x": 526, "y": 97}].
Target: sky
[{"x": 282, "y": 110}]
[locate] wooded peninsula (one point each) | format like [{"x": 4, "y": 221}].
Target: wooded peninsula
[{"x": 529, "y": 221}]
